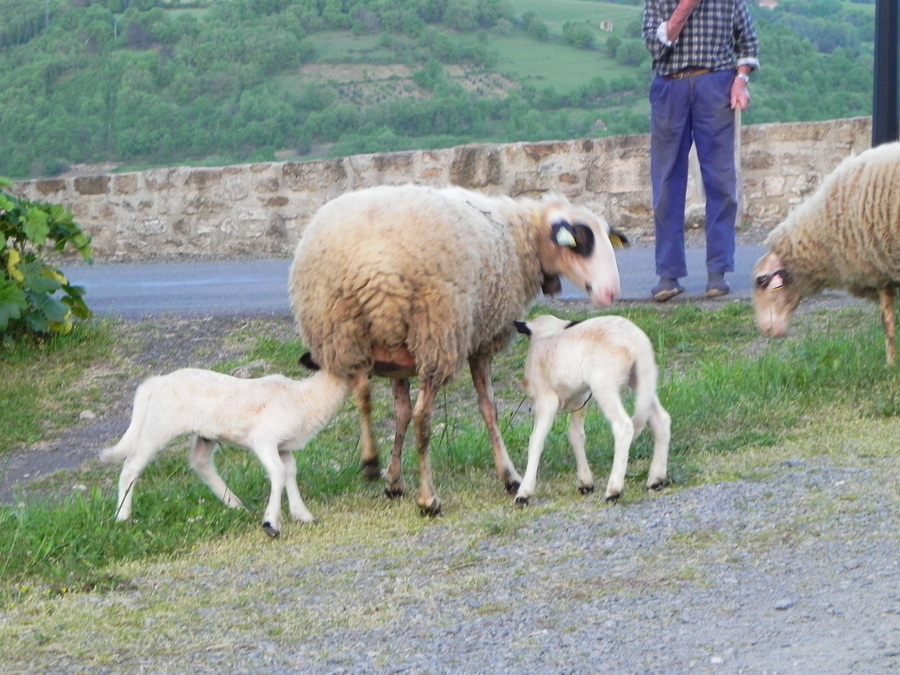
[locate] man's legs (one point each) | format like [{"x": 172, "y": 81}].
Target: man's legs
[
  {"x": 670, "y": 144},
  {"x": 713, "y": 124}
]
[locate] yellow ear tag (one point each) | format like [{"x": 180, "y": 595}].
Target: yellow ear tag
[{"x": 565, "y": 238}]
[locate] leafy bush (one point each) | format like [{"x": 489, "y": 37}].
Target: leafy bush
[{"x": 35, "y": 298}]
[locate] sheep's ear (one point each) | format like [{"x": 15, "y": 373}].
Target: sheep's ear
[
  {"x": 522, "y": 327},
  {"x": 578, "y": 237},
  {"x": 307, "y": 361},
  {"x": 551, "y": 285},
  {"x": 618, "y": 240}
]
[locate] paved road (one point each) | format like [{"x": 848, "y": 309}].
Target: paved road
[{"x": 259, "y": 288}]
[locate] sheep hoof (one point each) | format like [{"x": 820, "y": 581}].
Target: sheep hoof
[
  {"x": 512, "y": 486},
  {"x": 612, "y": 499},
  {"x": 433, "y": 509},
  {"x": 521, "y": 501},
  {"x": 585, "y": 489},
  {"x": 393, "y": 493},
  {"x": 271, "y": 531},
  {"x": 371, "y": 471},
  {"x": 658, "y": 486}
]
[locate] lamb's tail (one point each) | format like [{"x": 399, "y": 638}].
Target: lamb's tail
[
  {"x": 126, "y": 445},
  {"x": 643, "y": 381}
]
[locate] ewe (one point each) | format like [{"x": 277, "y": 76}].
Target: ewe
[
  {"x": 415, "y": 281},
  {"x": 846, "y": 235},
  {"x": 272, "y": 416},
  {"x": 570, "y": 361}
]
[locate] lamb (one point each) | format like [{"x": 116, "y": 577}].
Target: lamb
[
  {"x": 846, "y": 235},
  {"x": 272, "y": 416},
  {"x": 410, "y": 281},
  {"x": 570, "y": 361}
]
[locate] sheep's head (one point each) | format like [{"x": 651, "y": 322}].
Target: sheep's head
[
  {"x": 775, "y": 295},
  {"x": 580, "y": 247}
]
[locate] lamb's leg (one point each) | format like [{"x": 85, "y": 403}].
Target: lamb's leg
[
  {"x": 147, "y": 447},
  {"x": 427, "y": 500},
  {"x": 298, "y": 509},
  {"x": 368, "y": 450},
  {"x": 661, "y": 424},
  {"x": 889, "y": 322},
  {"x": 394, "y": 486},
  {"x": 623, "y": 433},
  {"x": 576, "y": 440},
  {"x": 201, "y": 459},
  {"x": 271, "y": 461},
  {"x": 545, "y": 410},
  {"x": 481, "y": 378}
]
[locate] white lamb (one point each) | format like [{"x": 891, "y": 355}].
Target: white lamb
[
  {"x": 846, "y": 235},
  {"x": 567, "y": 363},
  {"x": 414, "y": 281},
  {"x": 272, "y": 416}
]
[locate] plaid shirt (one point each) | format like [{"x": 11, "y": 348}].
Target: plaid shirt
[{"x": 718, "y": 35}]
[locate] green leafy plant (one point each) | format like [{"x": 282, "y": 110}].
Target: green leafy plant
[{"x": 35, "y": 297}]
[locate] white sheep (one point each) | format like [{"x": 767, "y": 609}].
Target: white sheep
[
  {"x": 570, "y": 361},
  {"x": 272, "y": 416},
  {"x": 846, "y": 235},
  {"x": 414, "y": 281}
]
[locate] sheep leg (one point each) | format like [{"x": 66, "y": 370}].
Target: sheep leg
[
  {"x": 661, "y": 424},
  {"x": 889, "y": 322},
  {"x": 394, "y": 486},
  {"x": 576, "y": 440},
  {"x": 623, "y": 433},
  {"x": 427, "y": 499},
  {"x": 298, "y": 509},
  {"x": 271, "y": 461},
  {"x": 201, "y": 459},
  {"x": 147, "y": 447},
  {"x": 545, "y": 410},
  {"x": 368, "y": 450},
  {"x": 481, "y": 378}
]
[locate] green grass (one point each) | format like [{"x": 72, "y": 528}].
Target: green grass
[
  {"x": 730, "y": 393},
  {"x": 51, "y": 377}
]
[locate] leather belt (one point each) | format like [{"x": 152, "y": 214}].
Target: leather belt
[{"x": 689, "y": 72}]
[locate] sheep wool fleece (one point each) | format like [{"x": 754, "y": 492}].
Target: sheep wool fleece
[
  {"x": 441, "y": 271},
  {"x": 847, "y": 234}
]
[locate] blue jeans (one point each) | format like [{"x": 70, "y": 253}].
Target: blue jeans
[{"x": 693, "y": 109}]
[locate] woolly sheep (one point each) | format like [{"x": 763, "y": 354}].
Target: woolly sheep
[
  {"x": 568, "y": 362},
  {"x": 272, "y": 416},
  {"x": 413, "y": 281},
  {"x": 846, "y": 235}
]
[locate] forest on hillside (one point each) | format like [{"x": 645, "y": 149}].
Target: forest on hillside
[{"x": 157, "y": 82}]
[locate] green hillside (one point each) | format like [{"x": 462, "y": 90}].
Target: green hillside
[{"x": 140, "y": 83}]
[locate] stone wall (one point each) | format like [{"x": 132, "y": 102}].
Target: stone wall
[{"x": 260, "y": 209}]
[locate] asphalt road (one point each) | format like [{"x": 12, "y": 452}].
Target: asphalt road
[{"x": 259, "y": 288}]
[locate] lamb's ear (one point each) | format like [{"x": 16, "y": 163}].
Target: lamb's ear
[
  {"x": 551, "y": 285},
  {"x": 618, "y": 240},
  {"x": 522, "y": 327},
  {"x": 307, "y": 361}
]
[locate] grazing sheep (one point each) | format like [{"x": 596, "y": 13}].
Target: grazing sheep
[
  {"x": 846, "y": 235},
  {"x": 272, "y": 416},
  {"x": 570, "y": 361},
  {"x": 414, "y": 281}
]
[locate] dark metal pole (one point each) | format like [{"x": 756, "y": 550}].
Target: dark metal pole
[{"x": 884, "y": 99}]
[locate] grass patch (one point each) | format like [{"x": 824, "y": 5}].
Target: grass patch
[{"x": 731, "y": 395}]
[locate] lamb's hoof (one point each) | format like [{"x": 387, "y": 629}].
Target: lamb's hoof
[
  {"x": 586, "y": 489},
  {"x": 371, "y": 471},
  {"x": 521, "y": 501},
  {"x": 393, "y": 493},
  {"x": 271, "y": 531},
  {"x": 512, "y": 486},
  {"x": 657, "y": 487},
  {"x": 612, "y": 499}
]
